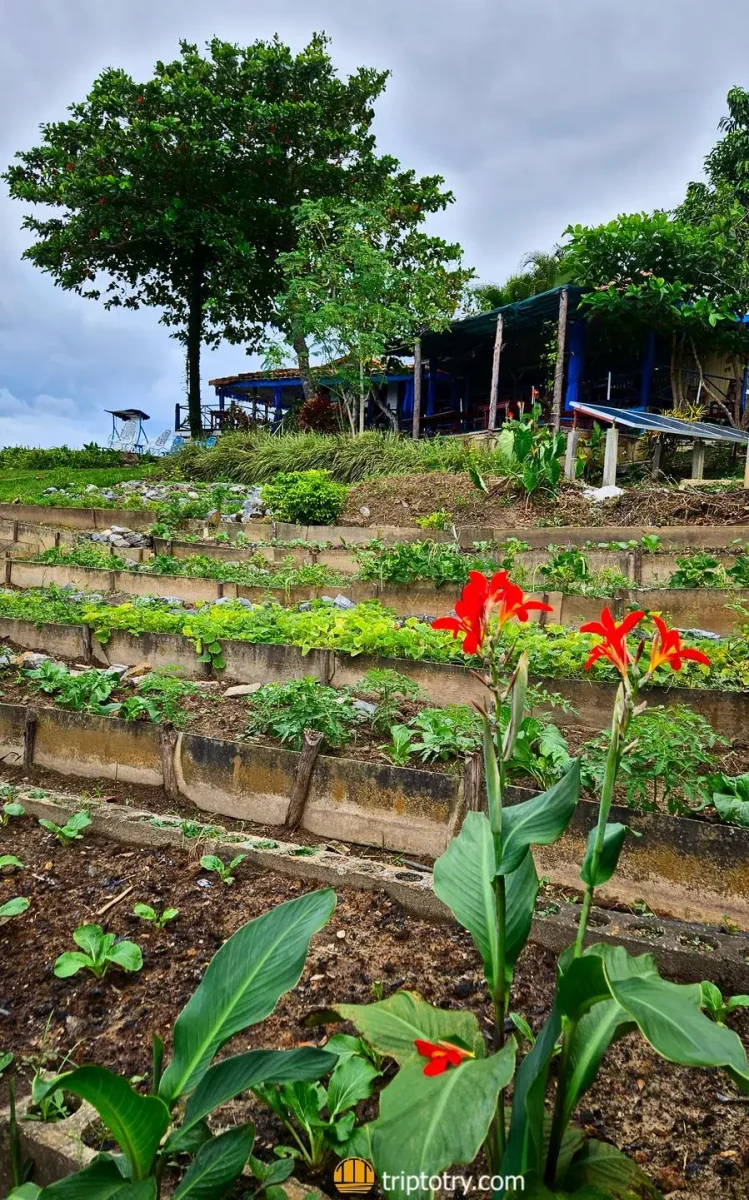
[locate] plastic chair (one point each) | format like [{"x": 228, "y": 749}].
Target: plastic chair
[
  {"x": 127, "y": 435},
  {"x": 177, "y": 444},
  {"x": 158, "y": 446}
]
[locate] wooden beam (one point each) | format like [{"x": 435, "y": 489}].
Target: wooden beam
[
  {"x": 417, "y": 389},
  {"x": 494, "y": 393},
  {"x": 556, "y": 403}
]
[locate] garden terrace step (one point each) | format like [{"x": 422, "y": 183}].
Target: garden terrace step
[
  {"x": 688, "y": 952},
  {"x": 442, "y": 683},
  {"x": 402, "y": 809},
  {"x": 685, "y": 608}
]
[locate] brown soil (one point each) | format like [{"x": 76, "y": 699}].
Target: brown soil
[
  {"x": 400, "y": 500},
  {"x": 686, "y": 1128}
]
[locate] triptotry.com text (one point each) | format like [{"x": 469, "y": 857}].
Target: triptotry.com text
[{"x": 483, "y": 1184}]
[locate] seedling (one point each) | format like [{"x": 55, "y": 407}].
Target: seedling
[
  {"x": 304, "y": 851},
  {"x": 11, "y": 808},
  {"x": 401, "y": 748},
  {"x": 71, "y": 831},
  {"x": 146, "y": 913},
  {"x": 98, "y": 951},
  {"x": 211, "y": 862},
  {"x": 14, "y": 907},
  {"x": 47, "y": 1106},
  {"x": 718, "y": 1008},
  {"x": 10, "y": 860},
  {"x": 265, "y": 844}
]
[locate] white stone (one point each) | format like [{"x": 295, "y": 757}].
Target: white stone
[{"x": 242, "y": 689}]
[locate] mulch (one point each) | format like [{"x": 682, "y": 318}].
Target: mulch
[{"x": 684, "y": 1127}]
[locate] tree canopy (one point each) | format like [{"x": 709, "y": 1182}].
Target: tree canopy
[{"x": 539, "y": 271}]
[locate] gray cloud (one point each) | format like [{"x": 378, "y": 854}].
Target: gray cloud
[{"x": 538, "y": 113}]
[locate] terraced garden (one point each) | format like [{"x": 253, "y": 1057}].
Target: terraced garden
[{"x": 264, "y": 705}]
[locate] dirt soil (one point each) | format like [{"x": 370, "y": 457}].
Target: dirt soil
[
  {"x": 400, "y": 500},
  {"x": 686, "y": 1128}
]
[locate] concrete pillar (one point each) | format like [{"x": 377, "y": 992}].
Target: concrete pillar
[
  {"x": 570, "y": 455},
  {"x": 610, "y": 456},
  {"x": 698, "y": 460}
]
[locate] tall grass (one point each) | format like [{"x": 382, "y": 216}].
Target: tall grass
[{"x": 258, "y": 457}]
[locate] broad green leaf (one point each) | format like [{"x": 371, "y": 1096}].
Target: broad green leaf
[
  {"x": 735, "y": 1002},
  {"x": 14, "y": 907},
  {"x": 242, "y": 985},
  {"x": 211, "y": 862},
  {"x": 70, "y": 963},
  {"x": 102, "y": 1180},
  {"x": 393, "y": 1025},
  {"x": 464, "y": 881},
  {"x": 90, "y": 938},
  {"x": 521, "y": 890},
  {"x": 539, "y": 821},
  {"x": 613, "y": 840},
  {"x": 427, "y": 1124},
  {"x": 525, "y": 1143},
  {"x": 217, "y": 1165},
  {"x": 597, "y": 1030},
  {"x": 581, "y": 985},
  {"x": 225, "y": 1080},
  {"x": 137, "y": 1123},
  {"x": 350, "y": 1082},
  {"x": 10, "y": 860},
  {"x": 600, "y": 1165},
  {"x": 273, "y": 1172},
  {"x": 127, "y": 955},
  {"x": 27, "y": 1191}
]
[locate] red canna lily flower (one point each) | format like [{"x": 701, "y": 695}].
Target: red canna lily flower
[
  {"x": 667, "y": 648},
  {"x": 614, "y": 644},
  {"x": 441, "y": 1055},
  {"x": 480, "y": 597}
]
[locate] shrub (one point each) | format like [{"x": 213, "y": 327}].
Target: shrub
[
  {"x": 285, "y": 710},
  {"x": 318, "y": 415},
  {"x": 305, "y": 498}
]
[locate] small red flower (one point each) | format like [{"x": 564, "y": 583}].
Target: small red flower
[
  {"x": 614, "y": 644},
  {"x": 667, "y": 648},
  {"x": 441, "y": 1055},
  {"x": 479, "y": 599}
]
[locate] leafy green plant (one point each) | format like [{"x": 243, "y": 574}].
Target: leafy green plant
[
  {"x": 10, "y": 860},
  {"x": 661, "y": 765},
  {"x": 305, "y": 498},
  {"x": 98, "y": 951},
  {"x": 71, "y": 831},
  {"x": 443, "y": 733},
  {"x": 738, "y": 572},
  {"x": 14, "y": 907},
  {"x": 716, "y": 1006},
  {"x": 569, "y": 571},
  {"x": 435, "y": 520},
  {"x": 537, "y": 450},
  {"x": 401, "y": 746},
  {"x": 10, "y": 809},
  {"x": 321, "y": 1119},
  {"x": 211, "y": 862},
  {"x": 286, "y": 710},
  {"x": 157, "y": 919},
  {"x": 700, "y": 570},
  {"x": 46, "y": 1106},
  {"x": 240, "y": 988},
  {"x": 651, "y": 542},
  {"x": 88, "y": 691},
  {"x": 730, "y": 797},
  {"x": 390, "y": 689}
]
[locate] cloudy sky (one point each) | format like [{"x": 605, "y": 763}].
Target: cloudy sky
[{"x": 537, "y": 112}]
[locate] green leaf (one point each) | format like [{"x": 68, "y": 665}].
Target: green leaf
[
  {"x": 393, "y": 1025},
  {"x": 613, "y": 840},
  {"x": 539, "y": 821},
  {"x": 350, "y": 1082},
  {"x": 242, "y": 985},
  {"x": 102, "y": 1180},
  {"x": 600, "y": 1165},
  {"x": 14, "y": 907},
  {"x": 90, "y": 938},
  {"x": 427, "y": 1124},
  {"x": 217, "y": 1165},
  {"x": 525, "y": 1143},
  {"x": 70, "y": 963},
  {"x": 464, "y": 881},
  {"x": 27, "y": 1191},
  {"x": 521, "y": 890},
  {"x": 10, "y": 860},
  {"x": 137, "y": 1123},
  {"x": 225, "y": 1080},
  {"x": 127, "y": 955},
  {"x": 145, "y": 912}
]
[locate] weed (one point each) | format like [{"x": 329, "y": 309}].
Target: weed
[
  {"x": 305, "y": 498},
  {"x": 286, "y": 710}
]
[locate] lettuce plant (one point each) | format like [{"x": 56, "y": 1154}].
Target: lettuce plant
[
  {"x": 448, "y": 1101},
  {"x": 98, "y": 951}
]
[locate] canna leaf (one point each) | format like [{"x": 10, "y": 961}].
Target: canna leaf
[
  {"x": 102, "y": 1180},
  {"x": 217, "y": 1165},
  {"x": 393, "y": 1025},
  {"x": 464, "y": 881},
  {"x": 613, "y": 840},
  {"x": 539, "y": 821}
]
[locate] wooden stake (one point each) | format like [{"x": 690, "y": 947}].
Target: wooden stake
[
  {"x": 303, "y": 778},
  {"x": 29, "y": 737},
  {"x": 8, "y": 568},
  {"x": 494, "y": 393},
  {"x": 167, "y": 743},
  {"x": 556, "y": 404},
  {"x": 416, "y": 430},
  {"x": 88, "y": 644},
  {"x": 472, "y": 779},
  {"x": 746, "y": 467}
]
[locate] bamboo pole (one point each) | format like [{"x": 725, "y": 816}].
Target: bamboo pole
[{"x": 494, "y": 393}]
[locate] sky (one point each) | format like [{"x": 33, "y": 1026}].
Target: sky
[{"x": 538, "y": 113}]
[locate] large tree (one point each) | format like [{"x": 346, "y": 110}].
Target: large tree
[
  {"x": 362, "y": 279},
  {"x": 179, "y": 192}
]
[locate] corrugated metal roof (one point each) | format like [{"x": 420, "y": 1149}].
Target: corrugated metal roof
[{"x": 523, "y": 314}]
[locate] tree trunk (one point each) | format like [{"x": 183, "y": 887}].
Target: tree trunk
[
  {"x": 194, "y": 341},
  {"x": 305, "y": 374}
]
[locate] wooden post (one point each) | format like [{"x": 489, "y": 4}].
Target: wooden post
[
  {"x": 746, "y": 467},
  {"x": 655, "y": 466},
  {"x": 8, "y": 568},
  {"x": 570, "y": 454},
  {"x": 302, "y": 779},
  {"x": 698, "y": 460},
  {"x": 87, "y": 643},
  {"x": 494, "y": 393},
  {"x": 610, "y": 456},
  {"x": 472, "y": 779},
  {"x": 417, "y": 390},
  {"x": 29, "y": 737},
  {"x": 556, "y": 404},
  {"x": 167, "y": 744}
]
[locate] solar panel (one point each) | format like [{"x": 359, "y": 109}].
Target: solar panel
[{"x": 661, "y": 423}]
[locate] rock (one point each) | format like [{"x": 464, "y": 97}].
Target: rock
[
  {"x": 118, "y": 669},
  {"x": 139, "y": 669},
  {"x": 242, "y": 689},
  {"x": 339, "y": 601},
  {"x": 305, "y": 606},
  {"x": 91, "y": 488},
  {"x": 119, "y": 529},
  {"x": 31, "y": 658},
  {"x": 364, "y": 511},
  {"x": 115, "y": 539},
  {"x": 598, "y": 495},
  {"x": 364, "y": 706}
]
